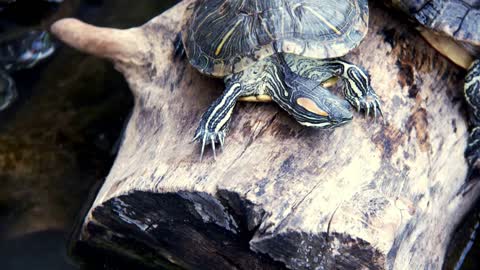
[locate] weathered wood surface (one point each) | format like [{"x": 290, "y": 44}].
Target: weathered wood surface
[{"x": 364, "y": 196}]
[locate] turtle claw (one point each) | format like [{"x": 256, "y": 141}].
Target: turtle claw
[
  {"x": 212, "y": 138},
  {"x": 221, "y": 139},
  {"x": 357, "y": 105},
  {"x": 369, "y": 103},
  {"x": 203, "y": 148},
  {"x": 377, "y": 111},
  {"x": 209, "y": 137}
]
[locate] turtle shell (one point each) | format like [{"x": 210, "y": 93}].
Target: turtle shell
[
  {"x": 227, "y": 36},
  {"x": 459, "y": 19}
]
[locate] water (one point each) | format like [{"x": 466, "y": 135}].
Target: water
[{"x": 57, "y": 140}]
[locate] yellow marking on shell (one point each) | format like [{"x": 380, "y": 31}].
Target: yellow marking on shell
[
  {"x": 257, "y": 98},
  {"x": 331, "y": 26},
  {"x": 310, "y": 106},
  {"x": 225, "y": 38}
]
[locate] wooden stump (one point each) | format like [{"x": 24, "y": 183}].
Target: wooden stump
[{"x": 364, "y": 196}]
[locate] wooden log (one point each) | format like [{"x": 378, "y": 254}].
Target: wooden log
[{"x": 364, "y": 196}]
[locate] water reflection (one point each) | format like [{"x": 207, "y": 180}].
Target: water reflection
[
  {"x": 56, "y": 140},
  {"x": 22, "y": 50},
  {"x": 38, "y": 250}
]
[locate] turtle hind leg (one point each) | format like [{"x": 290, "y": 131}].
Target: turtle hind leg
[
  {"x": 472, "y": 95},
  {"x": 214, "y": 124},
  {"x": 178, "y": 48},
  {"x": 472, "y": 153},
  {"x": 356, "y": 85}
]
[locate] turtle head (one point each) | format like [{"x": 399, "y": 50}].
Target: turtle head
[
  {"x": 310, "y": 103},
  {"x": 36, "y": 45},
  {"x": 26, "y": 49},
  {"x": 317, "y": 107}
]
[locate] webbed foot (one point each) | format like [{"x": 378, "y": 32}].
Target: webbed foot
[
  {"x": 368, "y": 103},
  {"x": 208, "y": 136}
]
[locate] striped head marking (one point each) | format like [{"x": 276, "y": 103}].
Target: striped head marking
[
  {"x": 309, "y": 102},
  {"x": 322, "y": 109}
]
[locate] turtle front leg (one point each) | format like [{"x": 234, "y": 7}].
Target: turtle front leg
[
  {"x": 214, "y": 124},
  {"x": 472, "y": 95},
  {"x": 357, "y": 88}
]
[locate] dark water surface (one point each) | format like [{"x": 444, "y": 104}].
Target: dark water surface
[{"x": 57, "y": 142}]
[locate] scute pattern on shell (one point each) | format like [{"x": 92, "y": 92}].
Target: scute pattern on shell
[
  {"x": 457, "y": 18},
  {"x": 227, "y": 36}
]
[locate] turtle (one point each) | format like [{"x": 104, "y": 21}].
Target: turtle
[
  {"x": 452, "y": 27},
  {"x": 280, "y": 51},
  {"x": 21, "y": 46},
  {"x": 20, "y": 51}
]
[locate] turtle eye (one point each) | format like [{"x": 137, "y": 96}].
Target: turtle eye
[{"x": 243, "y": 12}]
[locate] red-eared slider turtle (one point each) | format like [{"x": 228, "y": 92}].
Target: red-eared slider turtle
[
  {"x": 22, "y": 45},
  {"x": 20, "y": 51},
  {"x": 280, "y": 50},
  {"x": 451, "y": 23}
]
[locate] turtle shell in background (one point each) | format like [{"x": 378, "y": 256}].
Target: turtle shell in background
[{"x": 459, "y": 19}]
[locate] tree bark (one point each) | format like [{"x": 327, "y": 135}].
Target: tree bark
[{"x": 363, "y": 196}]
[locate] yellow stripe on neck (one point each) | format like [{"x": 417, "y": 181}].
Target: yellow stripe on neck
[{"x": 256, "y": 98}]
